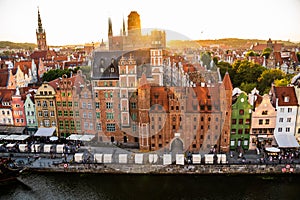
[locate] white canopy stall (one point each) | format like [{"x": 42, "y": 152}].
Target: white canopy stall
[{"x": 45, "y": 132}]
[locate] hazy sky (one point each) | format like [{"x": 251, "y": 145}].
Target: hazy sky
[{"x": 85, "y": 21}]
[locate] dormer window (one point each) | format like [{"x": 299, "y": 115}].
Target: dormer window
[{"x": 286, "y": 99}]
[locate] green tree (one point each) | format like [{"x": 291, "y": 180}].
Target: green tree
[
  {"x": 266, "y": 52},
  {"x": 267, "y": 78},
  {"x": 247, "y": 87}
]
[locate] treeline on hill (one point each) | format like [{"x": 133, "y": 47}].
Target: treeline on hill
[
  {"x": 13, "y": 45},
  {"x": 247, "y": 75}
]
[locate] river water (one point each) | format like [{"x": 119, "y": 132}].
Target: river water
[{"x": 98, "y": 186}]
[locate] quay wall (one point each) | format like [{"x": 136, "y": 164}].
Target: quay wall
[{"x": 171, "y": 169}]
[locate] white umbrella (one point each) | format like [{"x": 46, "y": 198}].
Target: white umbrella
[{"x": 53, "y": 138}]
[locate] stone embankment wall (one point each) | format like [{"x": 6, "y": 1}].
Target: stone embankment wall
[{"x": 171, "y": 169}]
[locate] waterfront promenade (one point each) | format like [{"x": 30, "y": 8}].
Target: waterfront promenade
[{"x": 117, "y": 160}]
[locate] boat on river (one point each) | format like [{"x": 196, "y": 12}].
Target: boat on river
[{"x": 9, "y": 169}]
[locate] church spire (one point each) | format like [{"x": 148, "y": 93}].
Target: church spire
[
  {"x": 110, "y": 32},
  {"x": 40, "y": 26},
  {"x": 124, "y": 30}
]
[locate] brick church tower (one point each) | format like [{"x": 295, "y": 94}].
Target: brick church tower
[{"x": 41, "y": 35}]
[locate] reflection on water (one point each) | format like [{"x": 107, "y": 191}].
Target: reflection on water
[{"x": 88, "y": 186}]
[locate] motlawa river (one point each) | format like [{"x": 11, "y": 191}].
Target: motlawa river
[{"x": 99, "y": 186}]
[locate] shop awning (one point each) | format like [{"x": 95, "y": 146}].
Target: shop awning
[
  {"x": 272, "y": 149},
  {"x": 74, "y": 137},
  {"x": 45, "y": 132},
  {"x": 286, "y": 141},
  {"x": 87, "y": 138}
]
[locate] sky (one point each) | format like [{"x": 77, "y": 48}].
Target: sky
[{"x": 86, "y": 21}]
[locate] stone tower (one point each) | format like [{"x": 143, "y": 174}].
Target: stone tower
[
  {"x": 134, "y": 24},
  {"x": 41, "y": 35}
]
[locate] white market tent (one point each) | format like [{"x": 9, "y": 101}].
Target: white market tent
[
  {"x": 138, "y": 158},
  {"x": 273, "y": 149},
  {"x": 2, "y": 136},
  {"x": 11, "y": 137},
  {"x": 23, "y": 147},
  {"x": 60, "y": 148},
  {"x": 84, "y": 138},
  {"x": 87, "y": 138},
  {"x": 74, "y": 137},
  {"x": 167, "y": 159},
  {"x": 78, "y": 157},
  {"x": 47, "y": 148},
  {"x": 22, "y": 137},
  {"x": 98, "y": 157},
  {"x": 286, "y": 141},
  {"x": 45, "y": 132},
  {"x": 10, "y": 145},
  {"x": 179, "y": 159}
]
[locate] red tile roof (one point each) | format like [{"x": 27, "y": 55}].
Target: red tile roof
[{"x": 286, "y": 95}]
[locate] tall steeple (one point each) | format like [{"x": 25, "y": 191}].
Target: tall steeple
[
  {"x": 110, "y": 32},
  {"x": 124, "y": 29},
  {"x": 40, "y": 26},
  {"x": 41, "y": 34}
]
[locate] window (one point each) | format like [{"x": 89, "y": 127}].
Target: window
[
  {"x": 69, "y": 94},
  {"x": 267, "y": 121},
  {"x": 90, "y": 115},
  {"x": 247, "y": 131},
  {"x": 78, "y": 126},
  {"x": 66, "y": 113},
  {"x": 77, "y": 113},
  {"x": 289, "y": 119},
  {"x": 240, "y": 131},
  {"x": 233, "y": 121},
  {"x": 71, "y": 113},
  {"x": 209, "y": 107},
  {"x": 133, "y": 116},
  {"x": 109, "y": 115},
  {"x": 111, "y": 127},
  {"x": 260, "y": 122},
  {"x": 233, "y": 131},
  {"x": 76, "y": 104},
  {"x": 63, "y": 94},
  {"x": 247, "y": 122},
  {"x": 84, "y": 115},
  {"x": 287, "y": 129},
  {"x": 46, "y": 113},
  {"x": 89, "y": 106},
  {"x": 52, "y": 113},
  {"x": 32, "y": 113},
  {"x": 64, "y": 103},
  {"x": 70, "y": 103},
  {"x": 97, "y": 105},
  {"x": 58, "y": 103},
  {"x": 86, "y": 125},
  {"x": 38, "y": 103},
  {"x": 96, "y": 94},
  {"x": 245, "y": 142},
  {"x": 265, "y": 112},
  {"x": 99, "y": 128},
  {"x": 47, "y": 123},
  {"x": 44, "y": 103},
  {"x": 51, "y": 103},
  {"x": 72, "y": 125},
  {"x": 241, "y": 121},
  {"x": 109, "y": 105},
  {"x": 98, "y": 115},
  {"x": 280, "y": 119},
  {"x": 61, "y": 124},
  {"x": 133, "y": 105},
  {"x": 83, "y": 104},
  {"x": 290, "y": 110},
  {"x": 281, "y": 110},
  {"x": 279, "y": 129},
  {"x": 241, "y": 112},
  {"x": 67, "y": 124},
  {"x": 232, "y": 143}
]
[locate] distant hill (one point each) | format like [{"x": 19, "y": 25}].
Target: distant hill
[
  {"x": 226, "y": 43},
  {"x": 13, "y": 45}
]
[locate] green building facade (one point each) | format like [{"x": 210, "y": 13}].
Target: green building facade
[{"x": 240, "y": 123}]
